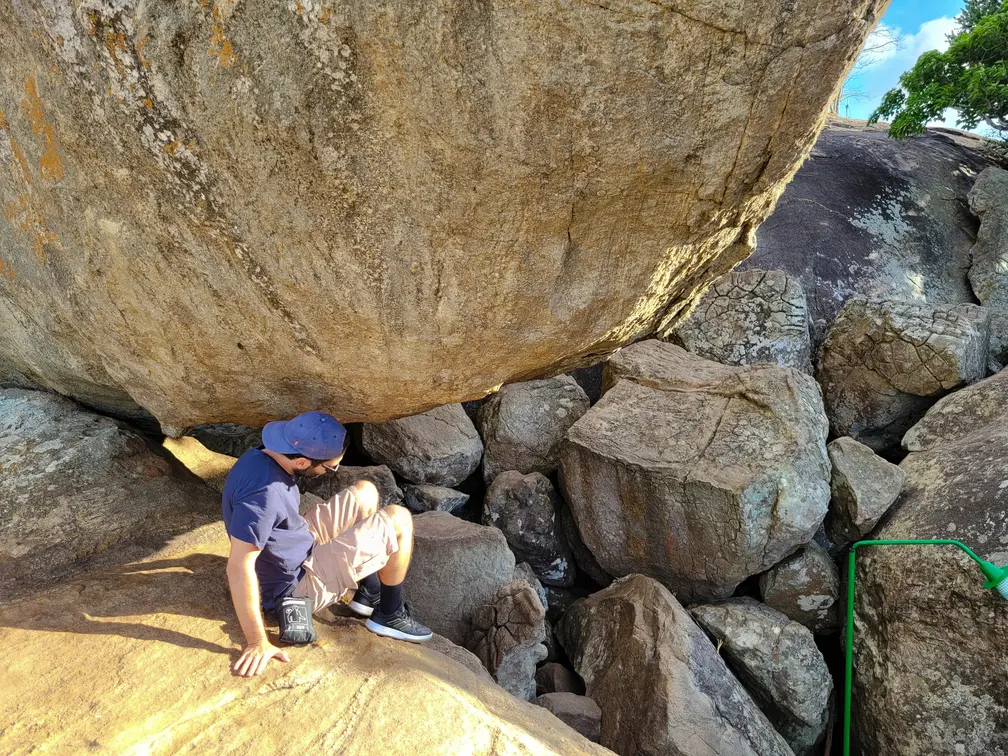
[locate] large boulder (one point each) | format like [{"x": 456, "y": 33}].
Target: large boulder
[
  {"x": 884, "y": 363},
  {"x": 874, "y": 217},
  {"x": 751, "y": 316},
  {"x": 523, "y": 424},
  {"x": 988, "y": 274},
  {"x": 695, "y": 473},
  {"x": 457, "y": 567},
  {"x": 778, "y": 662},
  {"x": 862, "y": 488},
  {"x": 232, "y": 212},
  {"x": 660, "y": 683},
  {"x": 77, "y": 487},
  {"x": 929, "y": 640},
  {"x": 508, "y": 636},
  {"x": 440, "y": 447},
  {"x": 525, "y": 508},
  {"x": 159, "y": 638},
  {"x": 805, "y": 586}
]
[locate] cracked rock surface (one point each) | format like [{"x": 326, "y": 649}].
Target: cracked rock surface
[
  {"x": 509, "y": 635},
  {"x": 523, "y": 424},
  {"x": 778, "y": 662},
  {"x": 929, "y": 639},
  {"x": 883, "y": 363},
  {"x": 988, "y": 274},
  {"x": 748, "y": 317},
  {"x": 695, "y": 473},
  {"x": 683, "y": 700}
]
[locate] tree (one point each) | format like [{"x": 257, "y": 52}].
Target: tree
[
  {"x": 970, "y": 77},
  {"x": 879, "y": 45}
]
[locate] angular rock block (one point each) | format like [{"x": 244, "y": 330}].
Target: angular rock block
[
  {"x": 433, "y": 498},
  {"x": 805, "y": 586},
  {"x": 694, "y": 473},
  {"x": 862, "y": 486},
  {"x": 579, "y": 712}
]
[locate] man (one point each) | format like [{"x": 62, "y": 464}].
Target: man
[{"x": 344, "y": 544}]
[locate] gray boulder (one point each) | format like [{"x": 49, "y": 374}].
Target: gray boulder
[
  {"x": 884, "y": 363},
  {"x": 929, "y": 640},
  {"x": 440, "y": 447},
  {"x": 862, "y": 486},
  {"x": 457, "y": 567},
  {"x": 433, "y": 498},
  {"x": 578, "y": 712},
  {"x": 874, "y": 217},
  {"x": 805, "y": 586},
  {"x": 79, "y": 490},
  {"x": 508, "y": 636},
  {"x": 988, "y": 274},
  {"x": 748, "y": 317},
  {"x": 552, "y": 677},
  {"x": 778, "y": 662},
  {"x": 525, "y": 508},
  {"x": 661, "y": 685},
  {"x": 328, "y": 485},
  {"x": 696, "y": 473},
  {"x": 523, "y": 424}
]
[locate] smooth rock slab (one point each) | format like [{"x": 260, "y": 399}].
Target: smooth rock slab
[
  {"x": 862, "y": 486},
  {"x": 778, "y": 662},
  {"x": 805, "y": 586},
  {"x": 930, "y": 670},
  {"x": 440, "y": 447},
  {"x": 579, "y": 712},
  {"x": 661, "y": 685},
  {"x": 884, "y": 363},
  {"x": 525, "y": 508},
  {"x": 78, "y": 487},
  {"x": 457, "y": 567},
  {"x": 523, "y": 424},
  {"x": 694, "y": 473},
  {"x": 748, "y": 317}
]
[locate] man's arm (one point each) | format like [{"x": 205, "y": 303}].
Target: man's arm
[{"x": 245, "y": 594}]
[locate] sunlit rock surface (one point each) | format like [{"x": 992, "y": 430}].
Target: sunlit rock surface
[{"x": 234, "y": 211}]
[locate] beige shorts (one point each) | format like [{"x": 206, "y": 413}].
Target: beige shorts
[{"x": 348, "y": 547}]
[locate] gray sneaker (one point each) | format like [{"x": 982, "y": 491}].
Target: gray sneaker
[{"x": 400, "y": 625}]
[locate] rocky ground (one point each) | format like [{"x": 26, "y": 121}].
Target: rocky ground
[{"x": 645, "y": 557}]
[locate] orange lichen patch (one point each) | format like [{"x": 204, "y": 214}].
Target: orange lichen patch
[
  {"x": 50, "y": 165},
  {"x": 325, "y": 14},
  {"x": 220, "y": 45},
  {"x": 172, "y": 147},
  {"x": 21, "y": 212},
  {"x": 148, "y": 103},
  {"x": 139, "y": 46},
  {"x": 298, "y": 7},
  {"x": 115, "y": 43},
  {"x": 6, "y": 271}
]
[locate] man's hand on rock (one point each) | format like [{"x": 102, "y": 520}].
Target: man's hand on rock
[{"x": 255, "y": 657}]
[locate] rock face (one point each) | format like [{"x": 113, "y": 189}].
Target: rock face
[
  {"x": 805, "y": 586},
  {"x": 167, "y": 626},
  {"x": 873, "y": 217},
  {"x": 778, "y": 662},
  {"x": 695, "y": 473},
  {"x": 988, "y": 275},
  {"x": 862, "y": 486},
  {"x": 523, "y": 424},
  {"x": 280, "y": 201},
  {"x": 929, "y": 640},
  {"x": 76, "y": 486},
  {"x": 578, "y": 712},
  {"x": 556, "y": 678},
  {"x": 748, "y": 317},
  {"x": 525, "y": 508},
  {"x": 431, "y": 498},
  {"x": 330, "y": 484},
  {"x": 440, "y": 447},
  {"x": 683, "y": 701},
  {"x": 508, "y": 636},
  {"x": 884, "y": 363},
  {"x": 457, "y": 567}
]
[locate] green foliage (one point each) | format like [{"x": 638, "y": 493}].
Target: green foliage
[{"x": 970, "y": 77}]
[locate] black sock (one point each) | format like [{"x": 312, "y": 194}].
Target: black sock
[
  {"x": 370, "y": 583},
  {"x": 391, "y": 599}
]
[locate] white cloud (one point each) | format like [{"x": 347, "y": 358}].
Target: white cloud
[{"x": 932, "y": 35}]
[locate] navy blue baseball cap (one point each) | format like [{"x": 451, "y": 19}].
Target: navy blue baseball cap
[{"x": 315, "y": 435}]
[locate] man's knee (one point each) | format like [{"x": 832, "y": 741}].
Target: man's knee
[
  {"x": 402, "y": 519},
  {"x": 367, "y": 497}
]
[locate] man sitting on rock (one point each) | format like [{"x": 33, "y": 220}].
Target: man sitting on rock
[{"x": 302, "y": 564}]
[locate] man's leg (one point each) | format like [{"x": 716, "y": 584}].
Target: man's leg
[{"x": 391, "y": 618}]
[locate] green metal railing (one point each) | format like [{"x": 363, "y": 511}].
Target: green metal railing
[{"x": 996, "y": 579}]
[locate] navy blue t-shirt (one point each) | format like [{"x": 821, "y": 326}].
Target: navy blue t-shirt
[{"x": 260, "y": 506}]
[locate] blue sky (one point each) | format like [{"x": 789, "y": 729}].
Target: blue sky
[{"x": 917, "y": 26}]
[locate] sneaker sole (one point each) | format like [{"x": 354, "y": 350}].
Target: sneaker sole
[
  {"x": 391, "y": 632},
  {"x": 363, "y": 611}
]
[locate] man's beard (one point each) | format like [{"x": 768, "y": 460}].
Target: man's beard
[{"x": 306, "y": 475}]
